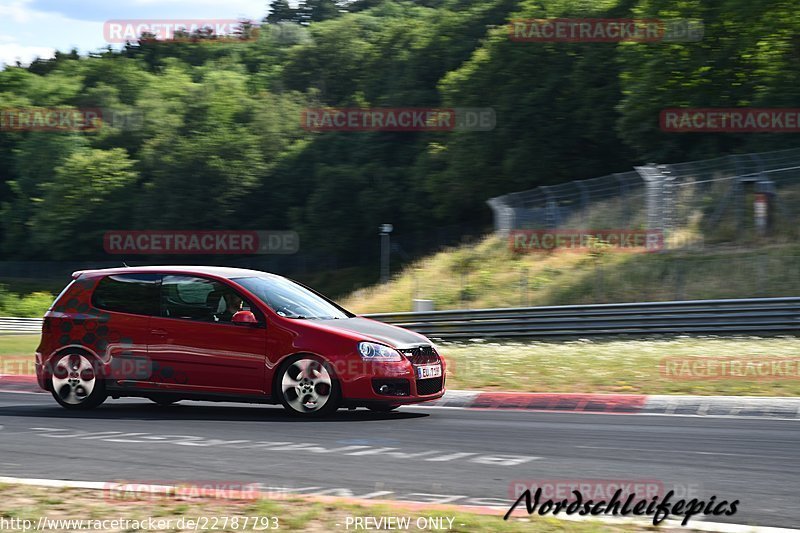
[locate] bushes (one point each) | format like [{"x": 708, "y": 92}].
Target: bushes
[{"x": 31, "y": 305}]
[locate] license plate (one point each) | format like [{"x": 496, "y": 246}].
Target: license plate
[{"x": 429, "y": 371}]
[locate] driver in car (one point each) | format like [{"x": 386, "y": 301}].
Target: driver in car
[{"x": 233, "y": 304}]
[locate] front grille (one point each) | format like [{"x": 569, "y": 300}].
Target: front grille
[
  {"x": 421, "y": 355},
  {"x": 429, "y": 386}
]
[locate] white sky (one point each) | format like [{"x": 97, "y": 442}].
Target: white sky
[{"x": 31, "y": 28}]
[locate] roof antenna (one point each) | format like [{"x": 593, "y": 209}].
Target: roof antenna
[{"x": 125, "y": 264}]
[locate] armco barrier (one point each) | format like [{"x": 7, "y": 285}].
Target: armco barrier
[
  {"x": 745, "y": 316},
  {"x": 20, "y": 325}
]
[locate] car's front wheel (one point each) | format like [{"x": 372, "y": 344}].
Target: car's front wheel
[
  {"x": 308, "y": 387},
  {"x": 76, "y": 383}
]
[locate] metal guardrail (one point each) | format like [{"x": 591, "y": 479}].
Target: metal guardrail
[
  {"x": 20, "y": 325},
  {"x": 750, "y": 316}
]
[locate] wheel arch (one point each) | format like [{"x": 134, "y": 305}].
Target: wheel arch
[{"x": 71, "y": 348}]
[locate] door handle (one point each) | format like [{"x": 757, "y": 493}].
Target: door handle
[{"x": 159, "y": 332}]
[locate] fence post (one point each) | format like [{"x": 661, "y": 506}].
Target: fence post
[
  {"x": 552, "y": 216},
  {"x": 741, "y": 197},
  {"x": 668, "y": 200},
  {"x": 654, "y": 181},
  {"x": 504, "y": 216}
]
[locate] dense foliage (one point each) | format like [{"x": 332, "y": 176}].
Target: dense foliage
[{"x": 221, "y": 145}]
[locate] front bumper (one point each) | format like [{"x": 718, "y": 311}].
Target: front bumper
[{"x": 393, "y": 383}]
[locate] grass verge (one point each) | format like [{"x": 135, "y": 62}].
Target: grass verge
[
  {"x": 293, "y": 514},
  {"x": 16, "y": 353},
  {"x": 616, "y": 366}
]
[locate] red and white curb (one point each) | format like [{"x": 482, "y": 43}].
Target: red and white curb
[
  {"x": 15, "y": 383},
  {"x": 534, "y": 401},
  {"x": 714, "y": 406},
  {"x": 111, "y": 487},
  {"x": 784, "y": 408}
]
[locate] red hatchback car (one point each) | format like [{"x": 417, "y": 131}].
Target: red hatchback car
[{"x": 225, "y": 334}]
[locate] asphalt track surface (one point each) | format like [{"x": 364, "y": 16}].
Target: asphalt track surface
[{"x": 457, "y": 456}]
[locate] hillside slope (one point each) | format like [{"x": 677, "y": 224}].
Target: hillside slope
[{"x": 489, "y": 274}]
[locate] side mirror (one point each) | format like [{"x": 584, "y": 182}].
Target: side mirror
[{"x": 245, "y": 318}]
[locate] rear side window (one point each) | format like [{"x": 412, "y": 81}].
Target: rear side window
[{"x": 137, "y": 294}]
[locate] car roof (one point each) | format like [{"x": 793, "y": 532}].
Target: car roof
[{"x": 222, "y": 272}]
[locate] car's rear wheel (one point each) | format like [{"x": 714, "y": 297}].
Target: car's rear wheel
[
  {"x": 382, "y": 407},
  {"x": 308, "y": 387},
  {"x": 76, "y": 383}
]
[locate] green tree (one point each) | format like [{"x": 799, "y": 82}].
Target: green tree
[
  {"x": 749, "y": 55},
  {"x": 319, "y": 10},
  {"x": 281, "y": 11},
  {"x": 88, "y": 195}
]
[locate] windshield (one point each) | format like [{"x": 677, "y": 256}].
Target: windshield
[{"x": 291, "y": 299}]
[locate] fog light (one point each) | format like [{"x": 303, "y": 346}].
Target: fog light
[{"x": 391, "y": 387}]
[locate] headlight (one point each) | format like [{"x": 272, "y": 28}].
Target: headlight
[{"x": 371, "y": 351}]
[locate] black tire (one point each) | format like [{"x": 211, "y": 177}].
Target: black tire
[
  {"x": 301, "y": 394},
  {"x": 164, "y": 401},
  {"x": 70, "y": 377},
  {"x": 382, "y": 407}
]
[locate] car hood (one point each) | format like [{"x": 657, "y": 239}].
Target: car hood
[{"x": 392, "y": 335}]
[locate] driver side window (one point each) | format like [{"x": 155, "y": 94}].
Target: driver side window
[{"x": 196, "y": 298}]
